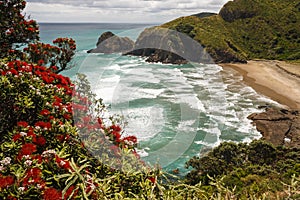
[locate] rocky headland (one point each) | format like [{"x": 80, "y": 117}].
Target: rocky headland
[
  {"x": 168, "y": 46},
  {"x": 243, "y": 30}
]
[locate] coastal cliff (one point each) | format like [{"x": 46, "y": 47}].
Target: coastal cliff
[{"x": 243, "y": 30}]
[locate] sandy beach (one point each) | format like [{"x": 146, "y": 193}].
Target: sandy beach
[{"x": 277, "y": 80}]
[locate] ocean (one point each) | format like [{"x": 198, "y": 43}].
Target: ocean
[{"x": 176, "y": 111}]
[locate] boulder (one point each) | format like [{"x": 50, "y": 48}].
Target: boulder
[
  {"x": 278, "y": 126},
  {"x": 111, "y": 43}
]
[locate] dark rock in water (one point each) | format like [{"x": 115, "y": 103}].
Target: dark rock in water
[
  {"x": 159, "y": 55},
  {"x": 278, "y": 126},
  {"x": 169, "y": 46},
  {"x": 110, "y": 43}
]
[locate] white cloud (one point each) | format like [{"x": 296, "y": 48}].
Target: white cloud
[{"x": 135, "y": 11}]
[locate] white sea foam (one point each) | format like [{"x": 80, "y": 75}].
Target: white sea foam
[
  {"x": 142, "y": 152},
  {"x": 145, "y": 122},
  {"x": 150, "y": 93},
  {"x": 224, "y": 99}
]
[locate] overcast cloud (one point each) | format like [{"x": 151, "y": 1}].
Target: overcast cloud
[{"x": 134, "y": 11}]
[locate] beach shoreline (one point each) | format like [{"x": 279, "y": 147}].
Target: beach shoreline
[{"x": 278, "y": 80}]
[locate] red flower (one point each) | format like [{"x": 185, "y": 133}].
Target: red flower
[
  {"x": 116, "y": 128},
  {"x": 16, "y": 137},
  {"x": 28, "y": 149},
  {"x": 117, "y": 136},
  {"x": 54, "y": 68},
  {"x": 99, "y": 120},
  {"x": 67, "y": 116},
  {"x": 52, "y": 194},
  {"x": 47, "y": 79},
  {"x": 41, "y": 141},
  {"x": 61, "y": 138},
  {"x": 57, "y": 99},
  {"x": 152, "y": 179},
  {"x": 23, "y": 124},
  {"x": 13, "y": 71},
  {"x": 30, "y": 29},
  {"x": 33, "y": 176},
  {"x": 11, "y": 198},
  {"x": 45, "y": 125},
  {"x": 41, "y": 62},
  {"x": 62, "y": 163},
  {"x": 6, "y": 181},
  {"x": 45, "y": 112},
  {"x": 131, "y": 138}
]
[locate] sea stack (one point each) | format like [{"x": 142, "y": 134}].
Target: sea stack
[{"x": 108, "y": 42}]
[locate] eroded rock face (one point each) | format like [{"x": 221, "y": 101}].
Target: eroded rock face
[
  {"x": 169, "y": 46},
  {"x": 279, "y": 126},
  {"x": 111, "y": 43}
]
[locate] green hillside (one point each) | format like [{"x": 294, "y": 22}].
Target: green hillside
[{"x": 247, "y": 29}]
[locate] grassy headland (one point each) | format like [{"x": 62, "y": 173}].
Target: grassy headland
[{"x": 245, "y": 30}]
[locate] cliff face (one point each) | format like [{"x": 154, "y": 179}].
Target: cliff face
[
  {"x": 243, "y": 30},
  {"x": 169, "y": 46}
]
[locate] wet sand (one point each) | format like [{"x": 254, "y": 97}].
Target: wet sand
[{"x": 277, "y": 80}]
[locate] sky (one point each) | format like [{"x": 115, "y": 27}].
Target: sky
[{"x": 117, "y": 11}]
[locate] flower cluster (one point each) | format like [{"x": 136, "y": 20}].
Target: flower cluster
[
  {"x": 46, "y": 54},
  {"x": 65, "y": 43},
  {"x": 44, "y": 107}
]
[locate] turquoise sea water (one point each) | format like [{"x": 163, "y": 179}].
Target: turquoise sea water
[{"x": 176, "y": 111}]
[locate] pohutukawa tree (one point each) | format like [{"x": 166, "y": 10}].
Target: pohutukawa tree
[
  {"x": 47, "y": 122},
  {"x": 15, "y": 28},
  {"x": 17, "y": 31}
]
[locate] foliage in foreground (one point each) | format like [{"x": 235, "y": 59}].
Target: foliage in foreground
[
  {"x": 43, "y": 152},
  {"x": 258, "y": 168}
]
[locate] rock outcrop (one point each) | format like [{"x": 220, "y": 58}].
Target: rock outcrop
[
  {"x": 110, "y": 43},
  {"x": 169, "y": 46},
  {"x": 279, "y": 126}
]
